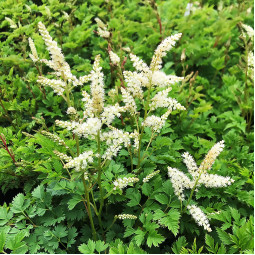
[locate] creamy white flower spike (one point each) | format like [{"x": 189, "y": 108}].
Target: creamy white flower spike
[
  {"x": 67, "y": 124},
  {"x": 164, "y": 46},
  {"x": 57, "y": 62},
  {"x": 126, "y": 217},
  {"x": 134, "y": 83},
  {"x": 129, "y": 101},
  {"x": 34, "y": 55},
  {"x": 71, "y": 111},
  {"x": 199, "y": 216},
  {"x": 102, "y": 28},
  {"x": 88, "y": 128},
  {"x": 110, "y": 112},
  {"x": 199, "y": 174},
  {"x": 55, "y": 138},
  {"x": 103, "y": 33},
  {"x": 114, "y": 58},
  {"x": 62, "y": 156},
  {"x": 150, "y": 176},
  {"x": 138, "y": 64},
  {"x": 135, "y": 135},
  {"x": 122, "y": 183},
  {"x": 162, "y": 80},
  {"x": 191, "y": 164},
  {"x": 100, "y": 23},
  {"x": 81, "y": 162},
  {"x": 11, "y": 22},
  {"x": 180, "y": 182},
  {"x": 57, "y": 85},
  {"x": 251, "y": 60},
  {"x": 211, "y": 156},
  {"x": 249, "y": 30},
  {"x": 156, "y": 123},
  {"x": 97, "y": 86},
  {"x": 161, "y": 100}
]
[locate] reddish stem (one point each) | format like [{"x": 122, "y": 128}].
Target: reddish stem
[{"x": 6, "y": 148}]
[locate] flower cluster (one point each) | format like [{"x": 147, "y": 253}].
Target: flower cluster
[
  {"x": 148, "y": 77},
  {"x": 156, "y": 123},
  {"x": 211, "y": 156},
  {"x": 180, "y": 181},
  {"x": 126, "y": 217},
  {"x": 102, "y": 28},
  {"x": 199, "y": 217},
  {"x": 55, "y": 138},
  {"x": 122, "y": 183},
  {"x": 149, "y": 176},
  {"x": 80, "y": 162},
  {"x": 63, "y": 156},
  {"x": 34, "y": 55},
  {"x": 114, "y": 58},
  {"x": 249, "y": 30},
  {"x": 71, "y": 111}
]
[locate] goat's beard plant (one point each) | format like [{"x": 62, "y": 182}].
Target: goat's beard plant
[{"x": 147, "y": 86}]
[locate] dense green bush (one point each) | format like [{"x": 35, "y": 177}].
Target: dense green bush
[{"x": 60, "y": 211}]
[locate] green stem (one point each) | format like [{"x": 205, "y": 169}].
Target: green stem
[
  {"x": 192, "y": 191},
  {"x": 99, "y": 181},
  {"x": 77, "y": 145},
  {"x": 131, "y": 158},
  {"x": 28, "y": 218},
  {"x": 89, "y": 209},
  {"x": 111, "y": 224},
  {"x": 142, "y": 129},
  {"x": 108, "y": 194}
]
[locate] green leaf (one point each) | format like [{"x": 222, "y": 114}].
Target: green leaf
[
  {"x": 133, "y": 249},
  {"x": 179, "y": 244},
  {"x": 2, "y": 240},
  {"x": 147, "y": 189},
  {"x": 5, "y": 216},
  {"x": 172, "y": 221},
  {"x": 16, "y": 244},
  {"x": 19, "y": 204},
  {"x": 210, "y": 242},
  {"x": 38, "y": 192},
  {"x": 139, "y": 236},
  {"x": 101, "y": 246},
  {"x": 154, "y": 239},
  {"x": 162, "y": 198},
  {"x": 87, "y": 248},
  {"x": 224, "y": 237},
  {"x": 235, "y": 214},
  {"x": 74, "y": 201},
  {"x": 60, "y": 231}
]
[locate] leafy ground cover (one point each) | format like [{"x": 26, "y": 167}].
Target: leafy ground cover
[{"x": 93, "y": 160}]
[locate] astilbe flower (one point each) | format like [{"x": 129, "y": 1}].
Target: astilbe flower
[
  {"x": 102, "y": 28},
  {"x": 126, "y": 217},
  {"x": 81, "y": 161},
  {"x": 71, "y": 111},
  {"x": 249, "y": 30},
  {"x": 55, "y": 138},
  {"x": 149, "y": 176},
  {"x": 34, "y": 55},
  {"x": 62, "y": 156},
  {"x": 57, "y": 61},
  {"x": 181, "y": 181},
  {"x": 114, "y": 58},
  {"x": 156, "y": 123},
  {"x": 199, "y": 217},
  {"x": 148, "y": 77},
  {"x": 122, "y": 183}
]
